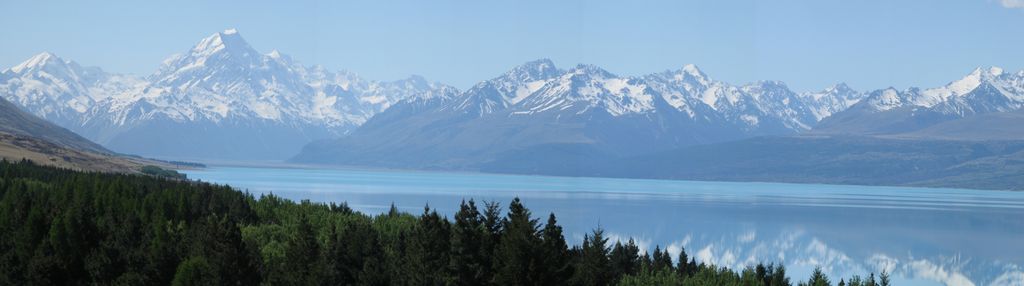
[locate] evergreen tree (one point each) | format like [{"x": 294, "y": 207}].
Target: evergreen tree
[
  {"x": 624, "y": 260},
  {"x": 195, "y": 271},
  {"x": 554, "y": 255},
  {"x": 493, "y": 232},
  {"x": 683, "y": 266},
  {"x": 778, "y": 276},
  {"x": 645, "y": 263},
  {"x": 469, "y": 260},
  {"x": 428, "y": 250},
  {"x": 884, "y": 279},
  {"x": 856, "y": 281},
  {"x": 515, "y": 258},
  {"x": 302, "y": 264},
  {"x": 593, "y": 268},
  {"x": 662, "y": 260},
  {"x": 818, "y": 278},
  {"x": 355, "y": 255}
]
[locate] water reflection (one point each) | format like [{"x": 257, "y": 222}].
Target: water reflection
[
  {"x": 922, "y": 236},
  {"x": 801, "y": 252}
]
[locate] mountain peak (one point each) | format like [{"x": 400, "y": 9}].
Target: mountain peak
[
  {"x": 229, "y": 39},
  {"x": 542, "y": 66},
  {"x": 274, "y": 54},
  {"x": 693, "y": 70},
  {"x": 971, "y": 81},
  {"x": 531, "y": 71},
  {"x": 839, "y": 87},
  {"x": 39, "y": 60},
  {"x": 540, "y": 63},
  {"x": 591, "y": 70},
  {"x": 689, "y": 72},
  {"x": 989, "y": 71}
]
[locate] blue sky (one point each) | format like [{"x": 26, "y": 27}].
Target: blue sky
[{"x": 808, "y": 44}]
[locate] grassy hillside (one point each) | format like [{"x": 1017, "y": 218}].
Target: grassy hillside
[{"x": 16, "y": 122}]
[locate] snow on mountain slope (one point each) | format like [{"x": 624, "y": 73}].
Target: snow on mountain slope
[
  {"x": 506, "y": 90},
  {"x": 762, "y": 107},
  {"x": 536, "y": 110},
  {"x": 892, "y": 111},
  {"x": 60, "y": 90},
  {"x": 221, "y": 82},
  {"x": 589, "y": 87},
  {"x": 833, "y": 99},
  {"x": 1005, "y": 87}
]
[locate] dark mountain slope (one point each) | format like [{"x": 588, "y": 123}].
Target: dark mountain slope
[
  {"x": 824, "y": 159},
  {"x": 17, "y": 122}
]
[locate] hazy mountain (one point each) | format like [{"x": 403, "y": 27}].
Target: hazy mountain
[
  {"x": 989, "y": 126},
  {"x": 890, "y": 111},
  {"x": 219, "y": 99},
  {"x": 541, "y": 111},
  {"x": 810, "y": 159}
]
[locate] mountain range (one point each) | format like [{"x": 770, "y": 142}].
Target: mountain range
[
  {"x": 983, "y": 92},
  {"x": 582, "y": 115},
  {"x": 537, "y": 107},
  {"x": 222, "y": 99},
  {"x": 219, "y": 99}
]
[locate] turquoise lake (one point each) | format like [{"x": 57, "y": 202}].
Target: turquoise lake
[{"x": 923, "y": 236}]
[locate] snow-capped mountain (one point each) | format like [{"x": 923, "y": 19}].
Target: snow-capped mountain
[
  {"x": 219, "y": 99},
  {"x": 60, "y": 90},
  {"x": 834, "y": 99},
  {"x": 536, "y": 108},
  {"x": 892, "y": 111},
  {"x": 506, "y": 90}
]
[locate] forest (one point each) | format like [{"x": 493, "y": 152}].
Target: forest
[{"x": 64, "y": 227}]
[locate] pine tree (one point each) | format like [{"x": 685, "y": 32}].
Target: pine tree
[
  {"x": 515, "y": 258},
  {"x": 195, "y": 271},
  {"x": 593, "y": 267},
  {"x": 884, "y": 279},
  {"x": 779, "y": 276},
  {"x": 554, "y": 255},
  {"x": 302, "y": 259},
  {"x": 468, "y": 257},
  {"x": 355, "y": 255},
  {"x": 682, "y": 266},
  {"x": 818, "y": 278},
  {"x": 427, "y": 253},
  {"x": 662, "y": 260},
  {"x": 493, "y": 231},
  {"x": 624, "y": 260}
]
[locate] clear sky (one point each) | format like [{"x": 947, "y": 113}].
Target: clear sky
[{"x": 808, "y": 44}]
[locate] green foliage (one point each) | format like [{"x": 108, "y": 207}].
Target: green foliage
[
  {"x": 657, "y": 278},
  {"x": 65, "y": 227},
  {"x": 195, "y": 271},
  {"x": 593, "y": 267},
  {"x": 161, "y": 172}
]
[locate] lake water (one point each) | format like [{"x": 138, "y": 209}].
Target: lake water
[{"x": 923, "y": 236}]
